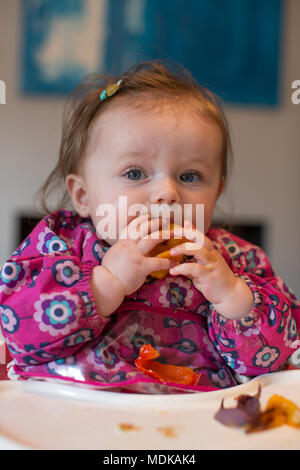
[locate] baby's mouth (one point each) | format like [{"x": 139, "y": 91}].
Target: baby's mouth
[{"x": 172, "y": 214}]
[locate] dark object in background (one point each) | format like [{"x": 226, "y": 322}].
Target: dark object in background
[
  {"x": 25, "y": 224},
  {"x": 252, "y": 232}
]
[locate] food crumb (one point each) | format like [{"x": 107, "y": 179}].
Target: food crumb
[
  {"x": 168, "y": 431},
  {"x": 128, "y": 427}
]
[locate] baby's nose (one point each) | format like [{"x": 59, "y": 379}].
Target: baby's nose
[{"x": 165, "y": 193}]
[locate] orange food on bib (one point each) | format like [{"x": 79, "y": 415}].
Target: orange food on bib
[
  {"x": 163, "y": 251},
  {"x": 164, "y": 372}
]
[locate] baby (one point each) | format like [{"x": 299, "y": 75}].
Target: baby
[{"x": 79, "y": 300}]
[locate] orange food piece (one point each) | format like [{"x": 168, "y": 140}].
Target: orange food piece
[
  {"x": 164, "y": 372},
  {"x": 283, "y": 407},
  {"x": 279, "y": 411},
  {"x": 163, "y": 251}
]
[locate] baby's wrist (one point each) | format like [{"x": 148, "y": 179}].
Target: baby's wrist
[
  {"x": 238, "y": 303},
  {"x": 107, "y": 289}
]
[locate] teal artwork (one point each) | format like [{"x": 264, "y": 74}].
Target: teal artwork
[
  {"x": 230, "y": 46},
  {"x": 62, "y": 42}
]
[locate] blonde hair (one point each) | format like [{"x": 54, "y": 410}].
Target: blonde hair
[{"x": 84, "y": 106}]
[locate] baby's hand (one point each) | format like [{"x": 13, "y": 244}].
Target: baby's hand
[
  {"x": 127, "y": 259},
  {"x": 211, "y": 275}
]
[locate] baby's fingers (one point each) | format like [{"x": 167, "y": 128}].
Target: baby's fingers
[
  {"x": 151, "y": 228},
  {"x": 192, "y": 234},
  {"x": 147, "y": 243},
  {"x": 202, "y": 255},
  {"x": 132, "y": 230},
  {"x": 141, "y": 226},
  {"x": 159, "y": 264},
  {"x": 191, "y": 270},
  {"x": 187, "y": 248}
]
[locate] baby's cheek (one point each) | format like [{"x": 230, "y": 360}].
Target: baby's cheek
[
  {"x": 106, "y": 226},
  {"x": 122, "y": 222}
]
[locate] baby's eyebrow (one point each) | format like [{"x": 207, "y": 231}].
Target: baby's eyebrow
[
  {"x": 197, "y": 159},
  {"x": 134, "y": 154},
  {"x": 184, "y": 160}
]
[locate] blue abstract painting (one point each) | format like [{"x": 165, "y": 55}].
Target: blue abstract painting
[
  {"x": 231, "y": 46},
  {"x": 62, "y": 41}
]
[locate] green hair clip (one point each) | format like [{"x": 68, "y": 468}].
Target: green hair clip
[{"x": 110, "y": 90}]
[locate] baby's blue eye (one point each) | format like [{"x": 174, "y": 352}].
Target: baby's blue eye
[
  {"x": 190, "y": 177},
  {"x": 134, "y": 174}
]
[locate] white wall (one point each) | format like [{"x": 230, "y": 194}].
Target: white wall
[{"x": 265, "y": 182}]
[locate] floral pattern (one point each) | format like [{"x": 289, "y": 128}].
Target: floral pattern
[
  {"x": 9, "y": 319},
  {"x": 221, "y": 379},
  {"x": 57, "y": 313},
  {"x": 266, "y": 356},
  {"x": 50, "y": 243},
  {"x": 66, "y": 273},
  {"x": 140, "y": 337},
  {"x": 98, "y": 251},
  {"x": 53, "y": 327},
  {"x": 290, "y": 332},
  {"x": 78, "y": 338},
  {"x": 22, "y": 247},
  {"x": 176, "y": 293},
  {"x": 250, "y": 324},
  {"x": 13, "y": 276},
  {"x": 103, "y": 356},
  {"x": 14, "y": 348}
]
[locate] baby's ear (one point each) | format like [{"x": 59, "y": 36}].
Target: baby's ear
[{"x": 77, "y": 191}]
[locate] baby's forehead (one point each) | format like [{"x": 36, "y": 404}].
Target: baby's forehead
[
  {"x": 149, "y": 105},
  {"x": 158, "y": 102},
  {"x": 130, "y": 128},
  {"x": 145, "y": 103}
]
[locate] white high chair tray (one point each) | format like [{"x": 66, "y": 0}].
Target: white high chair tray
[{"x": 44, "y": 415}]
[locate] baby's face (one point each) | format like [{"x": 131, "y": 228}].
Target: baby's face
[{"x": 151, "y": 158}]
